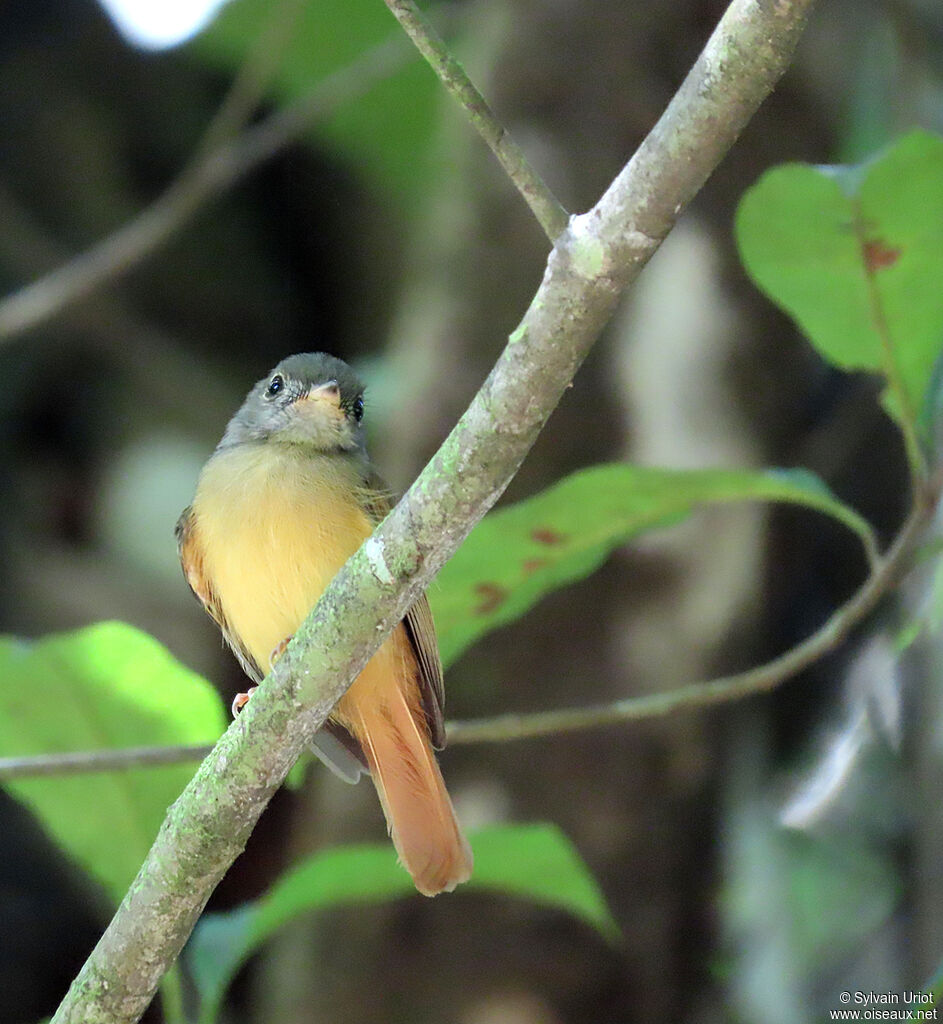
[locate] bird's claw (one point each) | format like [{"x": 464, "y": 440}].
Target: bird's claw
[
  {"x": 241, "y": 699},
  {"x": 277, "y": 651}
]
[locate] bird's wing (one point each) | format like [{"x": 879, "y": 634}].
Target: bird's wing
[
  {"x": 331, "y": 743},
  {"x": 190, "y": 550},
  {"x": 420, "y": 629}
]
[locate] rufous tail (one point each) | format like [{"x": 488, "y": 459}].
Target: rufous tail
[{"x": 418, "y": 810}]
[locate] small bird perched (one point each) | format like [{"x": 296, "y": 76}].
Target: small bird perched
[{"x": 285, "y": 499}]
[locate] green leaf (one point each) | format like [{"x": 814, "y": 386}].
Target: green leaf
[
  {"x": 517, "y": 555},
  {"x": 855, "y": 256},
  {"x": 109, "y": 685},
  {"x": 535, "y": 862},
  {"x": 387, "y": 133}
]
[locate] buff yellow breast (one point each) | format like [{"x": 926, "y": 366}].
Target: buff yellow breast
[{"x": 276, "y": 524}]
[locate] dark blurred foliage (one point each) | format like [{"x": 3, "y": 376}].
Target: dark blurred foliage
[{"x": 107, "y": 410}]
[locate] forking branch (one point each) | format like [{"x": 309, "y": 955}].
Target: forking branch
[{"x": 592, "y": 263}]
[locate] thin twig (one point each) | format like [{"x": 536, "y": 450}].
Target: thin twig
[
  {"x": 510, "y": 727},
  {"x": 592, "y": 263},
  {"x": 212, "y": 172},
  {"x": 544, "y": 205},
  {"x": 251, "y": 80},
  {"x": 82, "y": 761}
]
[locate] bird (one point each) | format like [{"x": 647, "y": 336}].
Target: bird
[{"x": 287, "y": 496}]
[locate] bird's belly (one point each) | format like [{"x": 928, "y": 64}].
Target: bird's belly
[{"x": 274, "y": 535}]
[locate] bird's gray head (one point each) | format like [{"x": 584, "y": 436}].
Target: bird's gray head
[{"x": 310, "y": 399}]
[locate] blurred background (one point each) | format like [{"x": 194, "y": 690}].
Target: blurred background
[{"x": 759, "y": 858}]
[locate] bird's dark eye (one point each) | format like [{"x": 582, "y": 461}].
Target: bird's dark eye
[
  {"x": 357, "y": 409},
  {"x": 275, "y": 385}
]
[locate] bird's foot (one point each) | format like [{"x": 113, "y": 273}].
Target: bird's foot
[
  {"x": 241, "y": 699},
  {"x": 277, "y": 651}
]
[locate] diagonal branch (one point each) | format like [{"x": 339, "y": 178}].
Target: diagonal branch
[{"x": 593, "y": 261}]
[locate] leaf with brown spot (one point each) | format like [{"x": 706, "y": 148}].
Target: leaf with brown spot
[
  {"x": 492, "y": 597},
  {"x": 878, "y": 255},
  {"x": 497, "y": 575},
  {"x": 855, "y": 256},
  {"x": 544, "y": 535},
  {"x": 533, "y": 564}
]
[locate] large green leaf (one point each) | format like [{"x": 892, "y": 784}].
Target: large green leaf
[
  {"x": 855, "y": 255},
  {"x": 109, "y": 685},
  {"x": 518, "y": 554},
  {"x": 386, "y": 133},
  {"x": 535, "y": 862}
]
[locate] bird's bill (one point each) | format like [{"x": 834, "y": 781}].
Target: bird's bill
[{"x": 323, "y": 398}]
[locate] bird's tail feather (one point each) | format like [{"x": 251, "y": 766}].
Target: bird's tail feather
[{"x": 418, "y": 810}]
